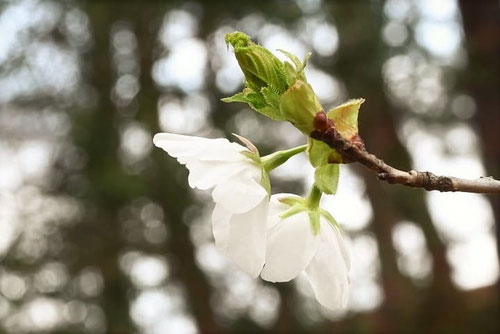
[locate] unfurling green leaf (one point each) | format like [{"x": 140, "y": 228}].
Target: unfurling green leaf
[
  {"x": 238, "y": 97},
  {"x": 271, "y": 97},
  {"x": 296, "y": 73},
  {"x": 260, "y": 67},
  {"x": 326, "y": 178},
  {"x": 258, "y": 102},
  {"x": 345, "y": 117},
  {"x": 268, "y": 79}
]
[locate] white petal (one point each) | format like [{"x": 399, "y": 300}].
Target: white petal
[
  {"x": 239, "y": 194},
  {"x": 242, "y": 237},
  {"x": 210, "y": 161},
  {"x": 343, "y": 248},
  {"x": 246, "y": 243},
  {"x": 220, "y": 227},
  {"x": 185, "y": 147},
  {"x": 328, "y": 272},
  {"x": 206, "y": 174},
  {"x": 291, "y": 244}
]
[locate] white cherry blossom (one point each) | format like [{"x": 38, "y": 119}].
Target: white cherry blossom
[
  {"x": 293, "y": 247},
  {"x": 241, "y": 199}
]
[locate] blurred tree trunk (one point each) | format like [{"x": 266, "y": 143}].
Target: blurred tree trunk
[
  {"x": 162, "y": 175},
  {"x": 96, "y": 134},
  {"x": 99, "y": 238},
  {"x": 481, "y": 22}
]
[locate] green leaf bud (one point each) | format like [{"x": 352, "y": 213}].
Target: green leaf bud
[
  {"x": 260, "y": 67},
  {"x": 299, "y": 105},
  {"x": 267, "y": 77}
]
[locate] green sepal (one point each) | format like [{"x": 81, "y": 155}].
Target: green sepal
[
  {"x": 252, "y": 156},
  {"x": 326, "y": 178},
  {"x": 252, "y": 153},
  {"x": 314, "y": 220},
  {"x": 299, "y": 204},
  {"x": 297, "y": 208},
  {"x": 291, "y": 201},
  {"x": 251, "y": 147},
  {"x": 328, "y": 216},
  {"x": 266, "y": 182}
]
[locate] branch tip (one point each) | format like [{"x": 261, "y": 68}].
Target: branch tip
[{"x": 354, "y": 150}]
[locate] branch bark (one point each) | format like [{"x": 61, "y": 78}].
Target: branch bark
[{"x": 354, "y": 150}]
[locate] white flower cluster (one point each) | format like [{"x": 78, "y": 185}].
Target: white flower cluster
[{"x": 257, "y": 231}]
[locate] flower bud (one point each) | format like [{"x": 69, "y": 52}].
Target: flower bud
[{"x": 300, "y": 105}]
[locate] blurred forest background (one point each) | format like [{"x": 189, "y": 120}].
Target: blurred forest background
[{"x": 99, "y": 232}]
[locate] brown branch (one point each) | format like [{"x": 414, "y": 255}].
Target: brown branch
[{"x": 354, "y": 150}]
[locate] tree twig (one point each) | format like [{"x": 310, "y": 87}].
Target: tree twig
[{"x": 354, "y": 150}]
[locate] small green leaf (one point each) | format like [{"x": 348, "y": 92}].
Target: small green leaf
[
  {"x": 271, "y": 97},
  {"x": 292, "y": 57},
  {"x": 255, "y": 99},
  {"x": 318, "y": 152},
  {"x": 296, "y": 73},
  {"x": 326, "y": 178},
  {"x": 300, "y": 66},
  {"x": 291, "y": 74},
  {"x": 322, "y": 154},
  {"x": 257, "y": 102},
  {"x": 238, "y": 97},
  {"x": 304, "y": 64}
]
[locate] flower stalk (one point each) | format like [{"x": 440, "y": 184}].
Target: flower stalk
[
  {"x": 314, "y": 197},
  {"x": 276, "y": 159}
]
